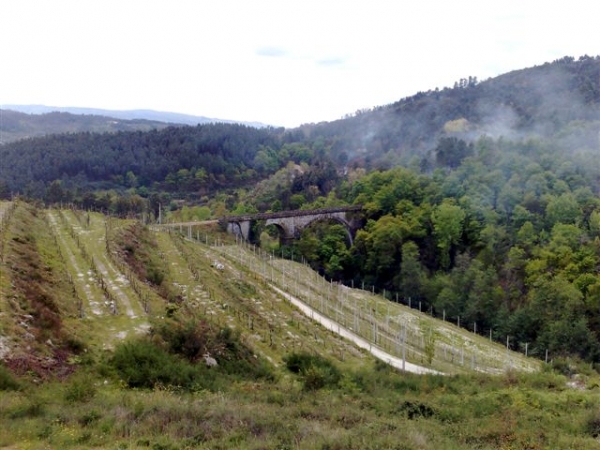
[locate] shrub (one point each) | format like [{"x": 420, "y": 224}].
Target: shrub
[
  {"x": 194, "y": 338},
  {"x": 80, "y": 389},
  {"x": 7, "y": 380},
  {"x": 142, "y": 364},
  {"x": 315, "y": 371},
  {"x": 32, "y": 407},
  {"x": 415, "y": 410},
  {"x": 592, "y": 424},
  {"x": 155, "y": 275},
  {"x": 190, "y": 340}
]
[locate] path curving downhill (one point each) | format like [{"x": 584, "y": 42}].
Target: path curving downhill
[{"x": 357, "y": 340}]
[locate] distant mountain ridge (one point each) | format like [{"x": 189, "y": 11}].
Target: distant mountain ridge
[
  {"x": 40, "y": 120},
  {"x": 15, "y": 126}
]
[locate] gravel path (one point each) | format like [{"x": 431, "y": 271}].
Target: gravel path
[{"x": 357, "y": 340}]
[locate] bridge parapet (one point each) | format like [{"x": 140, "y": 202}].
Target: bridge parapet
[{"x": 284, "y": 214}]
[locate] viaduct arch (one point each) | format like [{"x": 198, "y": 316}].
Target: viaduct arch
[{"x": 291, "y": 223}]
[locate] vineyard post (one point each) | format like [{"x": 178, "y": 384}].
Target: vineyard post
[{"x": 404, "y": 347}]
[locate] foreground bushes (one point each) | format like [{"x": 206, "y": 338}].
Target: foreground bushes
[
  {"x": 142, "y": 364},
  {"x": 315, "y": 371},
  {"x": 192, "y": 339},
  {"x": 173, "y": 357},
  {"x": 7, "y": 380}
]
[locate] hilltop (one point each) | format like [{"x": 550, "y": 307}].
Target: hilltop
[
  {"x": 16, "y": 125},
  {"x": 27, "y": 121}
]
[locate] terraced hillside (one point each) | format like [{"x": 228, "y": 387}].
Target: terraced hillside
[
  {"x": 242, "y": 288},
  {"x": 60, "y": 289},
  {"x": 99, "y": 300},
  {"x": 212, "y": 286}
]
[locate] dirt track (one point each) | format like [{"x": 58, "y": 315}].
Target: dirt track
[{"x": 360, "y": 342}]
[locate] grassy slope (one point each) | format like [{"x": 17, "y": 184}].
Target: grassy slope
[
  {"x": 372, "y": 407},
  {"x": 110, "y": 310}
]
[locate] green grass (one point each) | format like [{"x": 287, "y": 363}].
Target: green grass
[{"x": 372, "y": 408}]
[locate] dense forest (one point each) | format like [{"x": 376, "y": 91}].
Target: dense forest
[{"x": 480, "y": 200}]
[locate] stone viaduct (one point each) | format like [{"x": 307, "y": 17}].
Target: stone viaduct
[{"x": 291, "y": 223}]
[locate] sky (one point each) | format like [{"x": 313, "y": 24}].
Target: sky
[{"x": 279, "y": 62}]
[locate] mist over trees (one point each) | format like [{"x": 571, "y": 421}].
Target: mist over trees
[{"x": 480, "y": 201}]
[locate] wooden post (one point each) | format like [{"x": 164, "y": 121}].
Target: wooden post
[{"x": 404, "y": 348}]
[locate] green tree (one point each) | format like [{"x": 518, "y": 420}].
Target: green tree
[
  {"x": 563, "y": 209},
  {"x": 131, "y": 180},
  {"x": 412, "y": 275},
  {"x": 55, "y": 193},
  {"x": 450, "y": 152},
  {"x": 447, "y": 222}
]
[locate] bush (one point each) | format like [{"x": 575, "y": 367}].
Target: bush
[
  {"x": 80, "y": 389},
  {"x": 316, "y": 372},
  {"x": 189, "y": 340},
  {"x": 155, "y": 275},
  {"x": 592, "y": 424},
  {"x": 142, "y": 364},
  {"x": 194, "y": 338},
  {"x": 7, "y": 380}
]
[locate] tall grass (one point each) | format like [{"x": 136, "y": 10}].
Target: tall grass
[{"x": 370, "y": 408}]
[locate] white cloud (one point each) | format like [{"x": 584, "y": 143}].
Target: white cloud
[{"x": 281, "y": 62}]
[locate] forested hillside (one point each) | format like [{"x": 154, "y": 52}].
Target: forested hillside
[
  {"x": 181, "y": 159},
  {"x": 538, "y": 101},
  {"x": 558, "y": 101}
]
